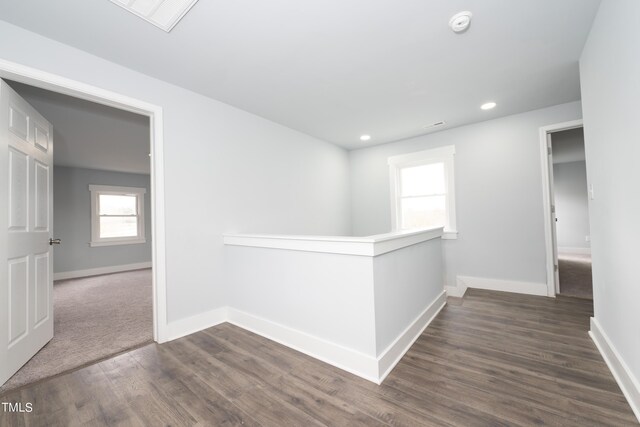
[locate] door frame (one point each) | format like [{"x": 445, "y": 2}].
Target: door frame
[
  {"x": 34, "y": 77},
  {"x": 550, "y": 258}
]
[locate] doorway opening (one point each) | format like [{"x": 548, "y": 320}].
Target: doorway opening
[
  {"x": 566, "y": 205},
  {"x": 117, "y": 220}
]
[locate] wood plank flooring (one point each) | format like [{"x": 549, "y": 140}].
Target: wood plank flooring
[{"x": 490, "y": 359}]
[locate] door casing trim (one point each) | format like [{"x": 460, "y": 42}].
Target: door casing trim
[
  {"x": 546, "y": 199},
  {"x": 42, "y": 79}
]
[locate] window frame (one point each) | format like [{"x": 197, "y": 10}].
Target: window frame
[
  {"x": 445, "y": 155},
  {"x": 96, "y": 191}
]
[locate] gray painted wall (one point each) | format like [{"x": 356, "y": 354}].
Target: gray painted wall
[
  {"x": 609, "y": 70},
  {"x": 572, "y": 206},
  {"x": 72, "y": 220},
  {"x": 498, "y": 194},
  {"x": 225, "y": 170}
]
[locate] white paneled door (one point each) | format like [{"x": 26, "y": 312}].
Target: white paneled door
[{"x": 26, "y": 220}]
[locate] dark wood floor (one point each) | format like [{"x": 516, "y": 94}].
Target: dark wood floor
[{"x": 490, "y": 359}]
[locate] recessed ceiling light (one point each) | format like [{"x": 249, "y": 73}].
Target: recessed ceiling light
[
  {"x": 164, "y": 14},
  {"x": 488, "y": 105},
  {"x": 460, "y": 21},
  {"x": 365, "y": 137}
]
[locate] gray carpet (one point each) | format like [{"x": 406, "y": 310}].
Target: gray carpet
[
  {"x": 94, "y": 317},
  {"x": 575, "y": 275}
]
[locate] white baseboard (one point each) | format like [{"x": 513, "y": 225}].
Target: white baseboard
[
  {"x": 360, "y": 364},
  {"x": 392, "y": 354},
  {"x": 456, "y": 291},
  {"x": 100, "y": 270},
  {"x": 341, "y": 357},
  {"x": 529, "y": 288},
  {"x": 576, "y": 250},
  {"x": 190, "y": 325},
  {"x": 629, "y": 385}
]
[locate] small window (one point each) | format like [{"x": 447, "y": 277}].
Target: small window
[
  {"x": 117, "y": 215},
  {"x": 423, "y": 193}
]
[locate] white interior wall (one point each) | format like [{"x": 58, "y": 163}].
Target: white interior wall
[
  {"x": 225, "y": 170},
  {"x": 610, "y": 70},
  {"x": 498, "y": 195},
  {"x": 405, "y": 284},
  {"x": 325, "y": 295},
  {"x": 358, "y": 304}
]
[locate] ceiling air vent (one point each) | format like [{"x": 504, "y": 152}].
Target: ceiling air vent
[
  {"x": 164, "y": 14},
  {"x": 433, "y": 125}
]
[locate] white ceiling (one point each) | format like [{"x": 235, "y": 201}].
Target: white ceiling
[
  {"x": 90, "y": 135},
  {"x": 337, "y": 69},
  {"x": 568, "y": 146}
]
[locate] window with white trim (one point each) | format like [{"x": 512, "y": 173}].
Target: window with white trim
[
  {"x": 423, "y": 190},
  {"x": 117, "y": 215}
]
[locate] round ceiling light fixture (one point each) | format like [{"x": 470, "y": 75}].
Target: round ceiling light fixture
[
  {"x": 488, "y": 105},
  {"x": 460, "y": 21},
  {"x": 365, "y": 137}
]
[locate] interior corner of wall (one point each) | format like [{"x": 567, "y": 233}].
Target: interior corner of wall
[{"x": 461, "y": 283}]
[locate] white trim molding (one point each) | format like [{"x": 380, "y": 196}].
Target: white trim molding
[
  {"x": 44, "y": 80},
  {"x": 457, "y": 291},
  {"x": 396, "y": 350},
  {"x": 528, "y": 288},
  {"x": 574, "y": 250},
  {"x": 374, "y": 369},
  {"x": 347, "y": 359},
  {"x": 198, "y": 322},
  {"x": 547, "y": 196},
  {"x": 64, "y": 275},
  {"x": 628, "y": 383},
  {"x": 444, "y": 155},
  {"x": 110, "y": 190},
  {"x": 345, "y": 245},
  {"x": 421, "y": 156}
]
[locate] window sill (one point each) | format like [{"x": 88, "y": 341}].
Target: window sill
[
  {"x": 450, "y": 235},
  {"x": 117, "y": 242}
]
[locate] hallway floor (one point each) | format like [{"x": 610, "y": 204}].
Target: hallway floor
[
  {"x": 488, "y": 359},
  {"x": 575, "y": 275}
]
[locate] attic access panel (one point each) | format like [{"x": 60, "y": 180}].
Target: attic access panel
[{"x": 164, "y": 14}]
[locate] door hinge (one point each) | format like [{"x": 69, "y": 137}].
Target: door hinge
[
  {"x": 549, "y": 151},
  {"x": 555, "y": 267}
]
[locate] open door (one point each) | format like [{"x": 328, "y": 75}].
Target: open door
[
  {"x": 26, "y": 222},
  {"x": 554, "y": 219}
]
